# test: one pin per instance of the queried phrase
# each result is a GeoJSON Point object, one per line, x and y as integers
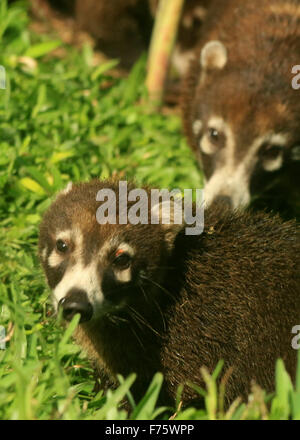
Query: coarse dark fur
{"type": "Point", "coordinates": [253, 94]}
{"type": "Point", "coordinates": [231, 293]}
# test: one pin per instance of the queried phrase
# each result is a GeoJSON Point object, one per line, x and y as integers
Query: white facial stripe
{"type": "Point", "coordinates": [273, 164]}
{"type": "Point", "coordinates": [123, 276]}
{"type": "Point", "coordinates": [279, 139]}
{"type": "Point", "coordinates": [111, 244]}
{"type": "Point", "coordinates": [234, 180]}
{"type": "Point", "coordinates": [55, 259]}
{"type": "Point", "coordinates": [44, 253]}
{"type": "Point", "coordinates": [63, 235]}
{"type": "Point", "coordinates": [206, 146]}
{"type": "Point", "coordinates": [217, 123]}
{"type": "Point", "coordinates": [225, 182]}
{"type": "Point", "coordinates": [80, 277]}
{"type": "Point", "coordinates": [209, 148]}
{"type": "Point", "coordinates": [126, 248]}
{"type": "Point", "coordinates": [197, 127]}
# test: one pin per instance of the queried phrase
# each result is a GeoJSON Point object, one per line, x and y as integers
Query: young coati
{"type": "Point", "coordinates": [241, 113]}
{"type": "Point", "coordinates": [154, 299]}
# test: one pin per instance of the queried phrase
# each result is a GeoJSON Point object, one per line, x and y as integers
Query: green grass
{"type": "Point", "coordinates": [64, 119]}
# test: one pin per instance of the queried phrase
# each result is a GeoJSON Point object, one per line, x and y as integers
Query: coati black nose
{"type": "Point", "coordinates": [224, 200]}
{"type": "Point", "coordinates": [76, 301]}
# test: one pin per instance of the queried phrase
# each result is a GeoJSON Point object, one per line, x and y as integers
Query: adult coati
{"type": "Point", "coordinates": [241, 113]}
{"type": "Point", "coordinates": [154, 299]}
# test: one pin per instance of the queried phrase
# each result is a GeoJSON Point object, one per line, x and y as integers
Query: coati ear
{"type": "Point", "coordinates": [213, 55]}
{"type": "Point", "coordinates": [67, 189]}
{"type": "Point", "coordinates": [169, 214]}
{"type": "Point", "coordinates": [64, 191]}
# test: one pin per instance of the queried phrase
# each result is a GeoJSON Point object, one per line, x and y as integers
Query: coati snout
{"type": "Point", "coordinates": [154, 299]}
{"type": "Point", "coordinates": [76, 301]}
{"type": "Point", "coordinates": [240, 111]}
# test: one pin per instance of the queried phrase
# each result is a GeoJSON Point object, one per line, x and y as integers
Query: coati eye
{"type": "Point", "coordinates": [61, 246]}
{"type": "Point", "coordinates": [122, 260]}
{"type": "Point", "coordinates": [270, 152]}
{"type": "Point", "coordinates": [214, 135]}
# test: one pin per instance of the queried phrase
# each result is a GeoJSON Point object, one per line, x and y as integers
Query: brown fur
{"type": "Point", "coordinates": [253, 92]}
{"type": "Point", "coordinates": [231, 293]}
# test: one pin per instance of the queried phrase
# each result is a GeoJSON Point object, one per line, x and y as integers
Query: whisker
{"type": "Point", "coordinates": [142, 320]}
{"type": "Point", "coordinates": [139, 340]}
{"type": "Point", "coordinates": [144, 293]}
{"type": "Point", "coordinates": [135, 319]}
{"type": "Point", "coordinates": [155, 303]}
{"type": "Point", "coordinates": [115, 318]}
{"type": "Point", "coordinates": [161, 313]}
{"type": "Point", "coordinates": [159, 286]}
